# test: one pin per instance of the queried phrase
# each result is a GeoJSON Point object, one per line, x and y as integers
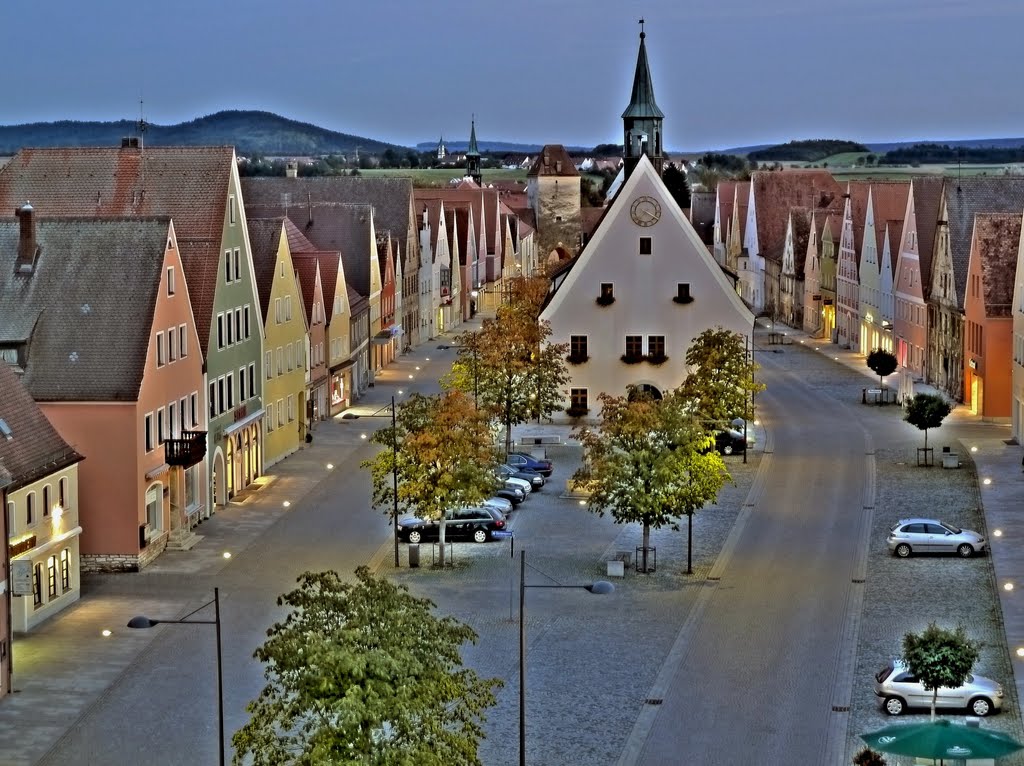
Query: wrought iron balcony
{"type": "Point", "coordinates": [187, 450]}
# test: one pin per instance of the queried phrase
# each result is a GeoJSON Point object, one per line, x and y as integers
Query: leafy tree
{"type": "Point", "coordinates": [649, 462]}
{"type": "Point", "coordinates": [868, 757]}
{"type": "Point", "coordinates": [720, 380]}
{"type": "Point", "coordinates": [675, 182]}
{"type": "Point", "coordinates": [508, 366]}
{"type": "Point", "coordinates": [938, 657]}
{"type": "Point", "coordinates": [444, 458]}
{"type": "Point", "coordinates": [364, 673]}
{"type": "Point", "coordinates": [882, 363]}
{"type": "Point", "coordinates": [927, 411]}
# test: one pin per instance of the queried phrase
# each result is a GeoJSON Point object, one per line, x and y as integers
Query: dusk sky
{"type": "Point", "coordinates": [728, 73]}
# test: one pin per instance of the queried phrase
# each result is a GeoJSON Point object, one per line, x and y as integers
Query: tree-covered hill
{"type": "Point", "coordinates": [250, 132]}
{"type": "Point", "coordinates": [805, 151]}
{"type": "Point", "coordinates": [943, 154]}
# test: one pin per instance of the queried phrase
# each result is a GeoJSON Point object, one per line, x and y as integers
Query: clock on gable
{"type": "Point", "coordinates": [645, 211]}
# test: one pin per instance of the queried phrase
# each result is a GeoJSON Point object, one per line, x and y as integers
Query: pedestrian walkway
{"type": "Point", "coordinates": [1000, 476]}
{"type": "Point", "coordinates": [65, 665]}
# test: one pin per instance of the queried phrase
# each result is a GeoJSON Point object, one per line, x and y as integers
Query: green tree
{"type": "Point", "coordinates": [675, 182]}
{"type": "Point", "coordinates": [927, 411]}
{"type": "Point", "coordinates": [364, 673]}
{"type": "Point", "coordinates": [882, 363]}
{"type": "Point", "coordinates": [940, 658]}
{"type": "Point", "coordinates": [720, 382]}
{"type": "Point", "coordinates": [649, 462]}
{"type": "Point", "coordinates": [509, 368]}
{"type": "Point", "coordinates": [444, 458]}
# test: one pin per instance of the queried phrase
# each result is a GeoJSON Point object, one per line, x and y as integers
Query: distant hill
{"type": "Point", "coordinates": [805, 151]}
{"type": "Point", "coordinates": [250, 132]}
{"type": "Point", "coordinates": [496, 147]}
{"type": "Point", "coordinates": [882, 148]}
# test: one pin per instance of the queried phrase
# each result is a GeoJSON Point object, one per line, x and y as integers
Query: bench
{"type": "Point", "coordinates": [539, 440]}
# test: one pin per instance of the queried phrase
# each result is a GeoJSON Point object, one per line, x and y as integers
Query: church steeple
{"type": "Point", "coordinates": [473, 156]}
{"type": "Point", "coordinates": [642, 120]}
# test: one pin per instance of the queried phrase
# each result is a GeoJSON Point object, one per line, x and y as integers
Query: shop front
{"type": "Point", "coordinates": [242, 445]}
{"type": "Point", "coordinates": [340, 380]}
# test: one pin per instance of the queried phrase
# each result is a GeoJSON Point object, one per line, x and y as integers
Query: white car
{"type": "Point", "coordinates": [900, 690]}
{"type": "Point", "coordinates": [909, 536]}
{"type": "Point", "coordinates": [512, 481]}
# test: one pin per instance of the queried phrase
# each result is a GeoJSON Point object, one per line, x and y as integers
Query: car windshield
{"type": "Point", "coordinates": [951, 528]}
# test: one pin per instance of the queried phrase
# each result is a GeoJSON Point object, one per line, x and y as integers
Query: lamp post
{"type": "Point", "coordinates": [600, 587]}
{"type": "Point", "coordinates": [141, 622]}
{"type": "Point", "coordinates": [394, 471]}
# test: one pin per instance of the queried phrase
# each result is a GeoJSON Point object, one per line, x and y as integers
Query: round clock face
{"type": "Point", "coordinates": [645, 211]}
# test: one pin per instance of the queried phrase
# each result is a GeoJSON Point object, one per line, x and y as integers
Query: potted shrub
{"type": "Point", "coordinates": [576, 412]}
{"type": "Point", "coordinates": [605, 300]}
{"type": "Point", "coordinates": [657, 359]}
{"type": "Point", "coordinates": [576, 359]}
{"type": "Point", "coordinates": [632, 359]}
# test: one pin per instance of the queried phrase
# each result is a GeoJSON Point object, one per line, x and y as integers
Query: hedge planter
{"type": "Point", "coordinates": [631, 359]}
{"type": "Point", "coordinates": [605, 300]}
{"type": "Point", "coordinates": [577, 412]}
{"type": "Point", "coordinates": [682, 299]}
{"type": "Point", "coordinates": [656, 360]}
{"type": "Point", "coordinates": [576, 359]}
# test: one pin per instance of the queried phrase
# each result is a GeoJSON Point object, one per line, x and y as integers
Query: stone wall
{"type": "Point", "coordinates": [105, 563]}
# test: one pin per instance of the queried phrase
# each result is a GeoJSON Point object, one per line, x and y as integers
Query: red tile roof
{"type": "Point", "coordinates": [996, 239]}
{"type": "Point", "coordinates": [553, 160]}
{"type": "Point", "coordinates": [775, 192]}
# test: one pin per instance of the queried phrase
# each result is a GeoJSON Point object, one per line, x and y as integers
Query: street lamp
{"type": "Point", "coordinates": [141, 622]}
{"type": "Point", "coordinates": [601, 587]}
{"type": "Point", "coordinates": [394, 471]}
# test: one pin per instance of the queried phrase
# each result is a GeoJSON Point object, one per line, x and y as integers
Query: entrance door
{"type": "Point", "coordinates": [977, 391]}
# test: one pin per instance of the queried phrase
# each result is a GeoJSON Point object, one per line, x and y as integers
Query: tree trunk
{"type": "Point", "coordinates": [647, 544]}
{"type": "Point", "coordinates": [508, 435]}
{"type": "Point", "coordinates": [689, 543]}
{"type": "Point", "coordinates": [926, 438]}
{"type": "Point", "coordinates": [935, 697]}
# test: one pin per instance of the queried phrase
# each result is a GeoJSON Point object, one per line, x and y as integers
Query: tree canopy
{"type": "Point", "coordinates": [445, 460]}
{"type": "Point", "coordinates": [927, 411]}
{"type": "Point", "coordinates": [720, 380]}
{"type": "Point", "coordinates": [940, 657]}
{"type": "Point", "coordinates": [882, 363]}
{"type": "Point", "coordinates": [364, 673]}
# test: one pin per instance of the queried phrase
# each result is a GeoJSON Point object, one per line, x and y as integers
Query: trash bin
{"type": "Point", "coordinates": [414, 555]}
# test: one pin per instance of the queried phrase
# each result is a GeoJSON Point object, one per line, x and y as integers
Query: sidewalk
{"type": "Point", "coordinates": [1000, 491]}
{"type": "Point", "coordinates": [64, 666]}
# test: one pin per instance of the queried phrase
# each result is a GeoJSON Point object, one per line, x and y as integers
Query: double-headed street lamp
{"type": "Point", "coordinates": [146, 622]}
{"type": "Point", "coordinates": [600, 587]}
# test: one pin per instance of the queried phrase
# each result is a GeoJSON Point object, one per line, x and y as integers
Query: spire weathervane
{"type": "Point", "coordinates": [642, 28]}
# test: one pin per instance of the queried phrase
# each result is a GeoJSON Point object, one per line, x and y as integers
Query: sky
{"type": "Point", "coordinates": [726, 73]}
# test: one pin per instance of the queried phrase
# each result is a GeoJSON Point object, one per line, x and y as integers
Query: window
{"type": "Point", "coordinates": [645, 245]}
{"type": "Point", "coordinates": [195, 408]}
{"type": "Point", "coordinates": [252, 379]}
{"type": "Point", "coordinates": [289, 353]}
{"type": "Point", "coordinates": [37, 585]}
{"type": "Point", "coordinates": [656, 346]}
{"type": "Point", "coordinates": [220, 395]}
{"type": "Point", "coordinates": [51, 577]}
{"type": "Point", "coordinates": [607, 290]}
{"type": "Point", "coordinates": [238, 263]}
{"type": "Point", "coordinates": [247, 332]}
{"type": "Point", "coordinates": [160, 426]}
{"type": "Point", "coordinates": [288, 308]}
{"type": "Point", "coordinates": [172, 412]}
{"type": "Point", "coordinates": [683, 292]}
{"type": "Point", "coordinates": [231, 391]}
{"type": "Point", "coordinates": [634, 345]}
{"type": "Point", "coordinates": [268, 363]}
{"type": "Point", "coordinates": [231, 210]}
{"type": "Point", "coordinates": [10, 517]}
{"type": "Point", "coordinates": [280, 361]}
{"type": "Point", "coordinates": [30, 508]}
{"type": "Point", "coordinates": [280, 412]}
{"type": "Point", "coordinates": [578, 399]}
{"type": "Point", "coordinates": [220, 331]}
{"type": "Point", "coordinates": [291, 407]}
{"type": "Point", "coordinates": [231, 329]}
{"type": "Point", "coordinates": [241, 385]}
{"type": "Point", "coordinates": [65, 570]}
{"type": "Point", "coordinates": [182, 341]}
{"type": "Point", "coordinates": [46, 500]}
{"type": "Point", "coordinates": [150, 444]}
{"type": "Point", "coordinates": [170, 280]}
{"type": "Point", "coordinates": [154, 511]}
{"type": "Point", "coordinates": [171, 353]}
{"type": "Point", "coordinates": [160, 360]}
{"type": "Point", "coordinates": [238, 325]}
{"type": "Point", "coordinates": [277, 311]}
{"type": "Point", "coordinates": [578, 346]}
{"type": "Point", "coordinates": [270, 416]}
{"type": "Point", "coordinates": [213, 400]}
{"type": "Point", "coordinates": [62, 492]}
{"type": "Point", "coordinates": [227, 267]}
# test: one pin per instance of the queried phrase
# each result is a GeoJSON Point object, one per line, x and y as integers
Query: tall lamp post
{"type": "Point", "coordinates": [600, 587]}
{"type": "Point", "coordinates": [141, 622]}
{"type": "Point", "coordinates": [394, 470]}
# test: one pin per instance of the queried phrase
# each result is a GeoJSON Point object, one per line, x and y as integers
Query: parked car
{"type": "Point", "coordinates": [511, 481]}
{"type": "Point", "coordinates": [909, 536]}
{"type": "Point", "coordinates": [502, 504]}
{"type": "Point", "coordinates": [536, 480]}
{"type": "Point", "coordinates": [520, 461]}
{"type": "Point", "coordinates": [730, 442]}
{"type": "Point", "coordinates": [476, 524]}
{"type": "Point", "coordinates": [514, 495]}
{"type": "Point", "coordinates": [900, 690]}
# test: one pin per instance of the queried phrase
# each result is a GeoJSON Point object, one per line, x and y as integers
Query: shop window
{"type": "Point", "coordinates": [154, 509]}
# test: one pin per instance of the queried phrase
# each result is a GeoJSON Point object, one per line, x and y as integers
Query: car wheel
{"type": "Point", "coordinates": [727, 449]}
{"type": "Point", "coordinates": [894, 706]}
{"type": "Point", "coordinates": [415, 536]}
{"type": "Point", "coordinates": [903, 550]}
{"type": "Point", "coordinates": [964, 550]}
{"type": "Point", "coordinates": [480, 535]}
{"type": "Point", "coordinates": [980, 707]}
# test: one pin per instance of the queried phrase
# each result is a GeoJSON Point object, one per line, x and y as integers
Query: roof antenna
{"type": "Point", "coordinates": [959, 158]}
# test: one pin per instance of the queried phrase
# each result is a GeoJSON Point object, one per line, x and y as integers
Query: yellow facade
{"type": "Point", "coordinates": [285, 363]}
{"type": "Point", "coordinates": [43, 534]}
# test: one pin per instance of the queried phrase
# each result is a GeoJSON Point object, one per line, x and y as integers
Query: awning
{"type": "Point", "coordinates": [158, 471]}
{"type": "Point", "coordinates": [238, 425]}
{"type": "Point", "coordinates": [50, 544]}
{"type": "Point", "coordinates": [344, 365]}
{"type": "Point", "coordinates": [382, 338]}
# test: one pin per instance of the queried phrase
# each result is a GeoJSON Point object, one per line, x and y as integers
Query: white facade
{"type": "Point", "coordinates": [649, 254]}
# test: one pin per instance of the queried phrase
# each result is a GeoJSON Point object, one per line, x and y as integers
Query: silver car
{"type": "Point", "coordinates": [930, 536]}
{"type": "Point", "coordinates": [900, 690]}
{"type": "Point", "coordinates": [499, 503]}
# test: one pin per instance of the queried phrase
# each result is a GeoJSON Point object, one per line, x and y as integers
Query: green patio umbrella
{"type": "Point", "coordinates": [941, 739]}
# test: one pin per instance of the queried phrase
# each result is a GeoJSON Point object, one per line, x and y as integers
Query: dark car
{"type": "Point", "coordinates": [536, 480]}
{"type": "Point", "coordinates": [476, 524]}
{"type": "Point", "coordinates": [521, 461]}
{"type": "Point", "coordinates": [512, 494]}
{"type": "Point", "coordinates": [730, 442]}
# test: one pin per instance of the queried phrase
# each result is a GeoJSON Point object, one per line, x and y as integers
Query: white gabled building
{"type": "Point", "coordinates": [642, 289]}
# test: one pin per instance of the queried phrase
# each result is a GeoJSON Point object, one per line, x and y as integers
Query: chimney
{"type": "Point", "coordinates": [292, 169]}
{"type": "Point", "coordinates": [130, 142]}
{"type": "Point", "coordinates": [27, 241]}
